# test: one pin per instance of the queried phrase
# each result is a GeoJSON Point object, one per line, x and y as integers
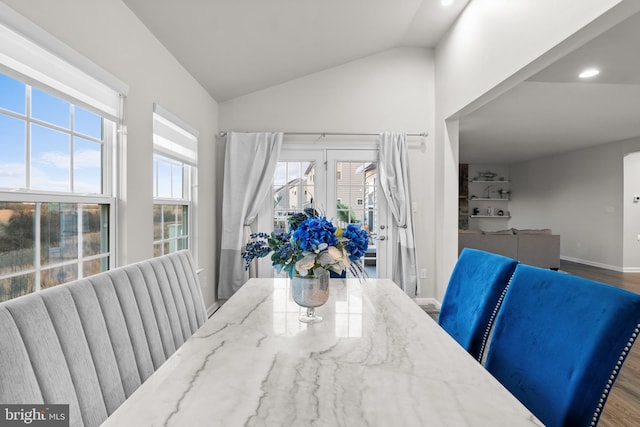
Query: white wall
{"type": "Point", "coordinates": [631, 209]}
{"type": "Point", "coordinates": [109, 34]}
{"type": "Point", "coordinates": [387, 91]}
{"type": "Point", "coordinates": [586, 197]}
{"type": "Point", "coordinates": [493, 46]}
{"type": "Point", "coordinates": [579, 195]}
{"type": "Point", "coordinates": [393, 90]}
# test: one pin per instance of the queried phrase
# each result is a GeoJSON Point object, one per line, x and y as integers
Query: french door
{"type": "Point", "coordinates": [341, 184]}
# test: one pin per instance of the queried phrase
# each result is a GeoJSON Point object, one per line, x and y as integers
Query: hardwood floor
{"type": "Point", "coordinates": [623, 406]}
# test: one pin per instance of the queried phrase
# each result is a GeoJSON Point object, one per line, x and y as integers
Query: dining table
{"type": "Point", "coordinates": [376, 359]}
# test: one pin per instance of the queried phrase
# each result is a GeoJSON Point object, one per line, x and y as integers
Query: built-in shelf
{"type": "Point", "coordinates": [484, 190]}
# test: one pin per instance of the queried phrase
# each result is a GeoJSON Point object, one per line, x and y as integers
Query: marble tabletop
{"type": "Point", "coordinates": [375, 360]}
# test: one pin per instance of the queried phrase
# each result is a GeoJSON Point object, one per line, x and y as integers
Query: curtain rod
{"type": "Point", "coordinates": [324, 134]}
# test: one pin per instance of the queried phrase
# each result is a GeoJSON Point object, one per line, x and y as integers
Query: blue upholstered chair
{"type": "Point", "coordinates": [473, 296]}
{"type": "Point", "coordinates": [559, 342]}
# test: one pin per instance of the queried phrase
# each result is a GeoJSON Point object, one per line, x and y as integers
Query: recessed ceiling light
{"type": "Point", "coordinates": [588, 73]}
{"type": "Point", "coordinates": [446, 2]}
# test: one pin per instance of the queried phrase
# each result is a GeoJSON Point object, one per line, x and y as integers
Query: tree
{"type": "Point", "coordinates": [346, 214]}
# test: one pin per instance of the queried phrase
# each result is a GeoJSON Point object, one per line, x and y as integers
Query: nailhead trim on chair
{"type": "Point", "coordinates": [494, 313]}
{"type": "Point", "coordinates": [613, 376]}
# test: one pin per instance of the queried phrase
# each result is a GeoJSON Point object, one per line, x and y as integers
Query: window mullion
{"type": "Point", "coordinates": [162, 236]}
{"type": "Point", "coordinates": [37, 247]}
{"type": "Point", "coordinates": [109, 154]}
{"type": "Point", "coordinates": [28, 141]}
{"type": "Point", "coordinates": [72, 184]}
{"type": "Point", "coordinates": [80, 213]}
{"type": "Point", "coordinates": [155, 177]}
{"type": "Point", "coordinates": [187, 182]}
{"type": "Point", "coordinates": [171, 190]}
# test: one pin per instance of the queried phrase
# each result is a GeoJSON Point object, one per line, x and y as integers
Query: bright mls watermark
{"type": "Point", "coordinates": [34, 415]}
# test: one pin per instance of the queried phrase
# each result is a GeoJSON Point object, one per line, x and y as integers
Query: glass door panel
{"type": "Point", "coordinates": [340, 184]}
{"type": "Point", "coordinates": [298, 183]}
{"type": "Point", "coordinates": [293, 190]}
{"type": "Point", "coordinates": [353, 186]}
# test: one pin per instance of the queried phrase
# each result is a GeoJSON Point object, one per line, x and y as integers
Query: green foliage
{"type": "Point", "coordinates": [346, 214]}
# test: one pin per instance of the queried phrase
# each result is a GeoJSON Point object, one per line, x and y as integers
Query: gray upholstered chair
{"type": "Point", "coordinates": [92, 342]}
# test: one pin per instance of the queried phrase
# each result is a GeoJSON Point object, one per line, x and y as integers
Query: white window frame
{"type": "Point", "coordinates": [324, 156]}
{"type": "Point", "coordinates": [108, 143]}
{"type": "Point", "coordinates": [28, 195]}
{"type": "Point", "coordinates": [33, 56]}
{"type": "Point", "coordinates": [176, 142]}
{"type": "Point", "coordinates": [264, 221]}
{"type": "Point", "coordinates": [168, 239]}
{"type": "Point", "coordinates": [188, 173]}
{"type": "Point", "coordinates": [70, 199]}
{"type": "Point", "coordinates": [37, 56]}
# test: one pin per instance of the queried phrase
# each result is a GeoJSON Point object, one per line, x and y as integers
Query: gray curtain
{"type": "Point", "coordinates": [394, 179]}
{"type": "Point", "coordinates": [250, 163]}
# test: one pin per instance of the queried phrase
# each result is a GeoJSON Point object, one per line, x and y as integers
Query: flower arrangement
{"type": "Point", "coordinates": [313, 243]}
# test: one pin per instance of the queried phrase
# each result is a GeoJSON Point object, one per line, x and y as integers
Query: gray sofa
{"type": "Point", "coordinates": [92, 342]}
{"type": "Point", "coordinates": [539, 248]}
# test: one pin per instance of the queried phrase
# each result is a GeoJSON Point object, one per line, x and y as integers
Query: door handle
{"type": "Point", "coordinates": [382, 238]}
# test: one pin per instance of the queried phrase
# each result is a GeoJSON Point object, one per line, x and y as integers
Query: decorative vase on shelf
{"type": "Point", "coordinates": [310, 292]}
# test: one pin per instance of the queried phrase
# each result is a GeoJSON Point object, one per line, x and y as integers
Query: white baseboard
{"type": "Point", "coordinates": [428, 302]}
{"type": "Point", "coordinates": [598, 264]}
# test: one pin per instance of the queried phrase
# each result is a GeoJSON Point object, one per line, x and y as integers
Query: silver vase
{"type": "Point", "coordinates": [310, 292]}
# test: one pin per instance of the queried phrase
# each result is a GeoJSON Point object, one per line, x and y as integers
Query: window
{"type": "Point", "coordinates": [48, 243]}
{"type": "Point", "coordinates": [54, 205]}
{"type": "Point", "coordinates": [293, 190]}
{"type": "Point", "coordinates": [307, 177]}
{"type": "Point", "coordinates": [171, 206]}
{"type": "Point", "coordinates": [58, 119]}
{"type": "Point", "coordinates": [174, 171]}
{"type": "Point", "coordinates": [49, 144]}
{"type": "Point", "coordinates": [357, 182]}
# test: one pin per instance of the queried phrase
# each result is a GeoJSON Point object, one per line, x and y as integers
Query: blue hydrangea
{"type": "Point", "coordinates": [313, 232]}
{"type": "Point", "coordinates": [357, 241]}
{"type": "Point", "coordinates": [311, 237]}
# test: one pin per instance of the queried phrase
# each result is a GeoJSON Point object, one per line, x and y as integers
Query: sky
{"type": "Point", "coordinates": [51, 148]}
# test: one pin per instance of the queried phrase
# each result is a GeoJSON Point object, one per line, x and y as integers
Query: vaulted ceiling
{"type": "Point", "coordinates": [235, 47]}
